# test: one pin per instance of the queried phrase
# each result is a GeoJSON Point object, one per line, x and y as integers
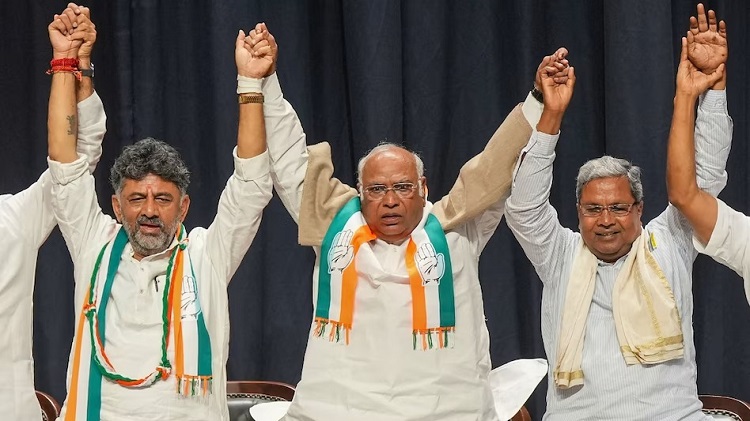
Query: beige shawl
{"type": "Point", "coordinates": [482, 182]}
{"type": "Point", "coordinates": [646, 318]}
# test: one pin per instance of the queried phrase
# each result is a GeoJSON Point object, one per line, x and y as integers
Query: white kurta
{"type": "Point", "coordinates": [133, 323]}
{"type": "Point", "coordinates": [26, 221]}
{"type": "Point", "coordinates": [613, 390]}
{"type": "Point", "coordinates": [729, 243]}
{"type": "Point", "coordinates": [379, 376]}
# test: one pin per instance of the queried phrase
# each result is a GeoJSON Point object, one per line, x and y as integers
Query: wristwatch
{"type": "Point", "coordinates": [88, 72]}
{"type": "Point", "coordinates": [537, 94]}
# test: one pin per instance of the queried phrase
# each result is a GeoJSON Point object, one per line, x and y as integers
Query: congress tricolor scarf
{"type": "Point", "coordinates": [187, 332]}
{"type": "Point", "coordinates": [342, 266]}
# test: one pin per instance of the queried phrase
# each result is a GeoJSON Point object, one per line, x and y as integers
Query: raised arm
{"type": "Point", "coordinates": [698, 206]}
{"type": "Point", "coordinates": [249, 189]}
{"type": "Point", "coordinates": [483, 183]}
{"type": "Point", "coordinates": [62, 117]}
{"type": "Point", "coordinates": [73, 194]}
{"type": "Point", "coordinates": [529, 214]}
{"type": "Point", "coordinates": [287, 146]}
{"type": "Point", "coordinates": [91, 117]}
{"type": "Point", "coordinates": [303, 179]}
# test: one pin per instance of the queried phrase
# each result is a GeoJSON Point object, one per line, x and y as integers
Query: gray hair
{"type": "Point", "coordinates": [149, 156]}
{"type": "Point", "coordinates": [608, 166]}
{"type": "Point", "coordinates": [382, 146]}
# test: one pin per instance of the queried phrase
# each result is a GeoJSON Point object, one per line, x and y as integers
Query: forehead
{"type": "Point", "coordinates": [608, 190]}
{"type": "Point", "coordinates": [150, 182]}
{"type": "Point", "coordinates": [393, 164]}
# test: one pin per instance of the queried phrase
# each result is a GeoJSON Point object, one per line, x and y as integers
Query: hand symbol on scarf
{"type": "Point", "coordinates": [342, 252]}
{"type": "Point", "coordinates": [187, 301]}
{"type": "Point", "coordinates": [431, 265]}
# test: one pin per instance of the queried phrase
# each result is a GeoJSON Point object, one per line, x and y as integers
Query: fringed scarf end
{"type": "Point", "coordinates": [429, 337]}
{"type": "Point", "coordinates": [334, 335]}
{"type": "Point", "coordinates": [190, 386]}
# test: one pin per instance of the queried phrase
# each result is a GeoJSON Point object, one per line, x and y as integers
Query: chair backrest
{"type": "Point", "coordinates": [725, 406]}
{"type": "Point", "coordinates": [242, 395]}
{"type": "Point", "coordinates": [522, 415]}
{"type": "Point", "coordinates": [50, 407]}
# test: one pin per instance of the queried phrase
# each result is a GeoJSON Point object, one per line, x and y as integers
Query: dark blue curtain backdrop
{"type": "Point", "coordinates": [436, 75]}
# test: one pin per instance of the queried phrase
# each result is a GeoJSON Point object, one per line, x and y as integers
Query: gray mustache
{"type": "Point", "coordinates": [150, 221]}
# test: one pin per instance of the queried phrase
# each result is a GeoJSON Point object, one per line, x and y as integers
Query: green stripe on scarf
{"type": "Point", "coordinates": [447, 306]}
{"type": "Point", "coordinates": [93, 412]}
{"type": "Point", "coordinates": [204, 341]}
{"type": "Point", "coordinates": [324, 277]}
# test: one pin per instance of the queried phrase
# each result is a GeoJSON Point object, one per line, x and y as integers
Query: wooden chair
{"type": "Point", "coordinates": [522, 415]}
{"type": "Point", "coordinates": [242, 395]}
{"type": "Point", "coordinates": [50, 407]}
{"type": "Point", "coordinates": [725, 406]}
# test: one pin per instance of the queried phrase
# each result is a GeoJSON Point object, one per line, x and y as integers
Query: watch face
{"type": "Point", "coordinates": [88, 72]}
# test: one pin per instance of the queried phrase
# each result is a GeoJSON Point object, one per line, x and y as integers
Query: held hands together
{"type": "Point", "coordinates": [255, 53]}
{"type": "Point", "coordinates": [556, 79]}
{"type": "Point", "coordinates": [71, 33]}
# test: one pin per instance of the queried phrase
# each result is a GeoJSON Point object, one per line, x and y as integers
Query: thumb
{"type": "Point", "coordinates": [717, 74]}
{"type": "Point", "coordinates": [683, 52]}
{"type": "Point", "coordinates": [571, 77]}
{"type": "Point", "coordinates": [240, 39]}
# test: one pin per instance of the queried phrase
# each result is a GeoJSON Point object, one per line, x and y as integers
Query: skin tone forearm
{"type": "Point", "coordinates": [550, 121]}
{"type": "Point", "coordinates": [251, 63]}
{"type": "Point", "coordinates": [62, 119]}
{"type": "Point", "coordinates": [251, 133]}
{"type": "Point", "coordinates": [699, 207]}
{"type": "Point", "coordinates": [702, 65]}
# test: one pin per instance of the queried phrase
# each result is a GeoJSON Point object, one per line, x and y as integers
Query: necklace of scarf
{"type": "Point", "coordinates": [428, 264]}
{"type": "Point", "coordinates": [191, 339]}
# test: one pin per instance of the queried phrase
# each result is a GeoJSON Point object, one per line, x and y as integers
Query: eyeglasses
{"type": "Point", "coordinates": [378, 191]}
{"type": "Point", "coordinates": [616, 209]}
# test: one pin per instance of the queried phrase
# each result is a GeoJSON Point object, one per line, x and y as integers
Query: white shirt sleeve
{"type": "Point", "coordinates": [530, 216]}
{"type": "Point", "coordinates": [729, 243]}
{"type": "Point", "coordinates": [28, 213]}
{"type": "Point", "coordinates": [287, 146]}
{"type": "Point", "coordinates": [248, 191]}
{"type": "Point", "coordinates": [92, 125]}
{"type": "Point", "coordinates": [486, 223]}
{"type": "Point", "coordinates": [76, 207]}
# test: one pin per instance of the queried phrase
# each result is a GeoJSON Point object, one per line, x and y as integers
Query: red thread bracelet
{"type": "Point", "coordinates": [64, 65]}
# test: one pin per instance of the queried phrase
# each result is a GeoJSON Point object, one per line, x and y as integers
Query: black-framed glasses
{"type": "Point", "coordinates": [616, 209]}
{"type": "Point", "coordinates": [378, 191]}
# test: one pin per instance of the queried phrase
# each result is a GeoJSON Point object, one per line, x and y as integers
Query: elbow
{"type": "Point", "coordinates": [681, 196]}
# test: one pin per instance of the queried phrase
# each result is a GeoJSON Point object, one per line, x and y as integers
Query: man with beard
{"type": "Point", "coordinates": [26, 221]}
{"type": "Point", "coordinates": [151, 339]}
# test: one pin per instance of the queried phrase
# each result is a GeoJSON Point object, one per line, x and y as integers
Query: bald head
{"type": "Point", "coordinates": [394, 148]}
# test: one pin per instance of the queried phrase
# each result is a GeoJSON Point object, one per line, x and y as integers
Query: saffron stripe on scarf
{"type": "Point", "coordinates": [179, 363]}
{"type": "Point", "coordinates": [349, 281]}
{"type": "Point", "coordinates": [70, 415]}
{"type": "Point", "coordinates": [324, 278]}
{"type": "Point", "coordinates": [419, 304]}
